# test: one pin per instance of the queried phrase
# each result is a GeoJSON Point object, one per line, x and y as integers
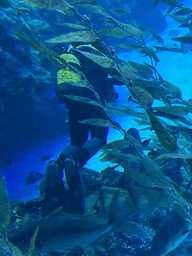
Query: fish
{"type": "Point", "coordinates": [170, 234]}
{"type": "Point", "coordinates": [173, 32]}
{"type": "Point", "coordinates": [44, 157]}
{"type": "Point", "coordinates": [32, 177]}
{"type": "Point", "coordinates": [119, 11]}
{"type": "Point", "coordinates": [64, 231]}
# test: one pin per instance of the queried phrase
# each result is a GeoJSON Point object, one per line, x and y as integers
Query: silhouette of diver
{"type": "Point", "coordinates": [81, 149]}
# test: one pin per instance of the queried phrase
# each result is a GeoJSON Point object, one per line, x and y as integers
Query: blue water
{"type": "Point", "coordinates": [32, 121]}
{"type": "Point", "coordinates": [31, 117]}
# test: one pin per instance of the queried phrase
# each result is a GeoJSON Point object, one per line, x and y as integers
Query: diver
{"type": "Point", "coordinates": [85, 140]}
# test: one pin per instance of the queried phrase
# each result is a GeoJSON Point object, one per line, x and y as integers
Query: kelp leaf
{"type": "Point", "coordinates": [184, 194]}
{"type": "Point", "coordinates": [172, 89]}
{"type": "Point", "coordinates": [133, 141]}
{"type": "Point", "coordinates": [97, 122]}
{"type": "Point", "coordinates": [83, 100]}
{"type": "Point", "coordinates": [71, 25]}
{"type": "Point", "coordinates": [115, 156]}
{"type": "Point", "coordinates": [152, 87]}
{"type": "Point", "coordinates": [141, 96]}
{"type": "Point", "coordinates": [133, 31]}
{"type": "Point", "coordinates": [127, 72]}
{"type": "Point", "coordinates": [149, 51]}
{"type": "Point", "coordinates": [113, 32]}
{"type": "Point", "coordinates": [183, 39]}
{"type": "Point", "coordinates": [143, 70]}
{"type": "Point", "coordinates": [15, 250]}
{"type": "Point", "coordinates": [154, 171]}
{"type": "Point", "coordinates": [182, 211]}
{"type": "Point", "coordinates": [90, 6]}
{"type": "Point", "coordinates": [41, 48]}
{"type": "Point", "coordinates": [173, 110]}
{"type": "Point", "coordinates": [120, 111]}
{"type": "Point", "coordinates": [31, 251]}
{"type": "Point", "coordinates": [156, 35]}
{"type": "Point", "coordinates": [102, 61]}
{"type": "Point", "coordinates": [149, 198]}
{"type": "Point", "coordinates": [142, 179]}
{"type": "Point", "coordinates": [168, 49]}
{"type": "Point", "coordinates": [166, 139]}
{"type": "Point", "coordinates": [179, 153]}
{"type": "Point", "coordinates": [182, 20]}
{"type": "Point", "coordinates": [7, 248]}
{"type": "Point", "coordinates": [131, 46]}
{"type": "Point", "coordinates": [117, 144]}
{"type": "Point", "coordinates": [188, 105]}
{"type": "Point", "coordinates": [80, 36]}
{"type": "Point", "coordinates": [57, 5]}
{"type": "Point", "coordinates": [109, 158]}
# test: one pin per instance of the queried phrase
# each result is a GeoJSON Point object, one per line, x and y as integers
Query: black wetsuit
{"type": "Point", "coordinates": [78, 111]}
{"type": "Point", "coordinates": [81, 148]}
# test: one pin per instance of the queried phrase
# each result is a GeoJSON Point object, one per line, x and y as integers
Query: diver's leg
{"type": "Point", "coordinates": [52, 189]}
{"type": "Point", "coordinates": [68, 151]}
{"type": "Point", "coordinates": [75, 193]}
{"type": "Point", "coordinates": [78, 135]}
{"type": "Point", "coordinates": [98, 138]}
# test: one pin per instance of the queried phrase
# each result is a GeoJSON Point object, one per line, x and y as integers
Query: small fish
{"type": "Point", "coordinates": [32, 177]}
{"type": "Point", "coordinates": [119, 11]}
{"type": "Point", "coordinates": [45, 157]}
{"type": "Point", "coordinates": [173, 32]}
